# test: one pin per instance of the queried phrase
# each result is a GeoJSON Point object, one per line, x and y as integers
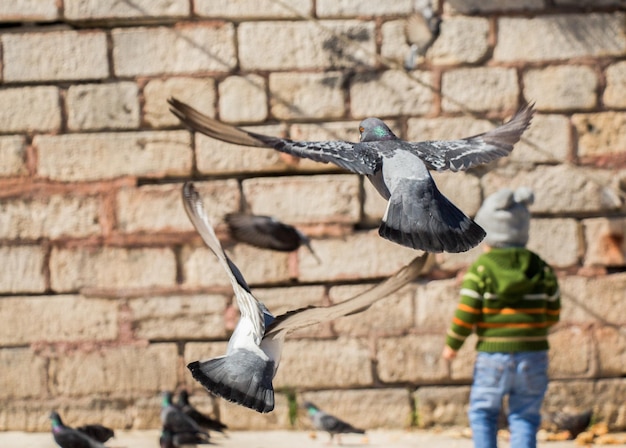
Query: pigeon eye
{"type": "Point", "coordinates": [361, 129]}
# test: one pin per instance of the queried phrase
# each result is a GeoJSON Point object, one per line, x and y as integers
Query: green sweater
{"type": "Point", "coordinates": [510, 297]}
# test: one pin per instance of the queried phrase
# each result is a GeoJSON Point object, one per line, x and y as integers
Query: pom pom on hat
{"type": "Point", "coordinates": [505, 217]}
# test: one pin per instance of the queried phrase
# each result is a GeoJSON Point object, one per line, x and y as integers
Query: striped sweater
{"type": "Point", "coordinates": [510, 297]}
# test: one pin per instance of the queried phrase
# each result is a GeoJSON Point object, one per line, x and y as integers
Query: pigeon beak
{"type": "Point", "coordinates": [308, 245]}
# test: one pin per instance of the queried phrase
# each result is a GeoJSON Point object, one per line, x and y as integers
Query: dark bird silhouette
{"type": "Point", "coordinates": [201, 419]}
{"type": "Point", "coordinates": [574, 423]}
{"type": "Point", "coordinates": [67, 437]}
{"type": "Point", "coordinates": [244, 374]}
{"type": "Point", "coordinates": [168, 439]}
{"type": "Point", "coordinates": [97, 432]}
{"type": "Point", "coordinates": [417, 215]}
{"type": "Point", "coordinates": [323, 421]}
{"type": "Point", "coordinates": [177, 426]}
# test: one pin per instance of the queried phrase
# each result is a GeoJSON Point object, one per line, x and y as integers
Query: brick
{"type": "Point", "coordinates": [438, 405]}
{"type": "Point", "coordinates": [199, 93]}
{"type": "Point", "coordinates": [62, 318]}
{"type": "Point", "coordinates": [252, 9]}
{"type": "Point", "coordinates": [412, 358]}
{"type": "Point", "coordinates": [113, 9]}
{"type": "Point", "coordinates": [352, 258]}
{"type": "Point", "coordinates": [306, 45]}
{"type": "Point", "coordinates": [52, 217]}
{"type": "Point", "coordinates": [596, 300]}
{"type": "Point", "coordinates": [202, 350]}
{"type": "Point", "coordinates": [569, 393]}
{"type": "Point", "coordinates": [597, 35]}
{"type": "Point", "coordinates": [374, 205]}
{"type": "Point", "coordinates": [454, 262]}
{"type": "Point", "coordinates": [179, 317]}
{"type": "Point", "coordinates": [483, 6]}
{"type": "Point", "coordinates": [461, 40]}
{"type": "Point", "coordinates": [38, 109]}
{"type": "Point", "coordinates": [445, 128]}
{"type": "Point", "coordinates": [22, 269]}
{"type": "Point", "coordinates": [111, 267]}
{"type": "Point", "coordinates": [24, 374]}
{"type": "Point", "coordinates": [237, 417]}
{"type": "Point", "coordinates": [124, 370]}
{"type": "Point", "coordinates": [563, 87]}
{"type": "Point", "coordinates": [462, 367]}
{"type": "Point", "coordinates": [547, 140]}
{"type": "Point", "coordinates": [349, 8]}
{"type": "Point", "coordinates": [320, 364]}
{"type": "Point", "coordinates": [611, 346]}
{"type": "Point", "coordinates": [12, 156]}
{"type": "Point", "coordinates": [149, 51]}
{"type": "Point", "coordinates": [600, 133]}
{"type": "Point", "coordinates": [103, 106]}
{"type": "Point", "coordinates": [305, 199]}
{"type": "Point", "coordinates": [606, 395]}
{"type": "Point", "coordinates": [243, 99]}
{"type": "Point", "coordinates": [391, 93]}
{"type": "Point", "coordinates": [159, 208]}
{"type": "Point", "coordinates": [435, 303]}
{"type": "Point", "coordinates": [54, 56]}
{"type": "Point", "coordinates": [547, 236]}
{"type": "Point", "coordinates": [364, 408]}
{"type": "Point", "coordinates": [605, 242]}
{"type": "Point", "coordinates": [480, 89]}
{"type": "Point", "coordinates": [307, 95]}
{"type": "Point", "coordinates": [615, 85]}
{"type": "Point", "coordinates": [29, 10]}
{"type": "Point", "coordinates": [571, 352]}
{"type": "Point", "coordinates": [87, 157]}
{"type": "Point", "coordinates": [462, 189]}
{"type": "Point", "coordinates": [394, 46]}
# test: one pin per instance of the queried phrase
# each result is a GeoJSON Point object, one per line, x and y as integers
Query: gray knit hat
{"type": "Point", "coordinates": [505, 217]}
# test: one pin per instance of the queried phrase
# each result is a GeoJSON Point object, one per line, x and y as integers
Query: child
{"type": "Point", "coordinates": [510, 297]}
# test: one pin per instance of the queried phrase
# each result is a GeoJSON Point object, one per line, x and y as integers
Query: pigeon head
{"type": "Point", "coordinates": [310, 407]}
{"type": "Point", "coordinates": [166, 399]}
{"type": "Point", "coordinates": [374, 130]}
{"type": "Point", "coordinates": [56, 419]}
{"type": "Point", "coordinates": [183, 396]}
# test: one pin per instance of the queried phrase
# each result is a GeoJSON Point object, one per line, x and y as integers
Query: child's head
{"type": "Point", "coordinates": [505, 217]}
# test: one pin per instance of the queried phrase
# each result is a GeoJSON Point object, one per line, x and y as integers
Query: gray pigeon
{"type": "Point", "coordinates": [198, 417]}
{"type": "Point", "coordinates": [417, 215]}
{"type": "Point", "coordinates": [244, 374]}
{"type": "Point", "coordinates": [323, 421]}
{"type": "Point", "coordinates": [178, 425]}
{"type": "Point", "coordinates": [67, 437]}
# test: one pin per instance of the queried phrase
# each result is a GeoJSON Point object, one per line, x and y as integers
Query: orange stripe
{"type": "Point", "coordinates": [553, 312]}
{"type": "Point", "coordinates": [514, 310]}
{"type": "Point", "coordinates": [460, 323]}
{"type": "Point", "coordinates": [468, 309]}
{"type": "Point", "coordinates": [512, 325]}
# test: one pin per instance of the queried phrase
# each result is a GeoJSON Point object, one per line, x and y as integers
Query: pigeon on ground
{"type": "Point", "coordinates": [266, 232]}
{"type": "Point", "coordinates": [97, 432]}
{"type": "Point", "coordinates": [168, 439]}
{"type": "Point", "coordinates": [67, 437]}
{"type": "Point", "coordinates": [417, 215]}
{"type": "Point", "coordinates": [201, 419]}
{"type": "Point", "coordinates": [574, 423]}
{"type": "Point", "coordinates": [244, 374]}
{"type": "Point", "coordinates": [323, 421]}
{"type": "Point", "coordinates": [178, 425]}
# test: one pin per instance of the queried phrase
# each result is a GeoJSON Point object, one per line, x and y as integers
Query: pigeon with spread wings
{"type": "Point", "coordinates": [418, 215]}
{"type": "Point", "coordinates": [244, 374]}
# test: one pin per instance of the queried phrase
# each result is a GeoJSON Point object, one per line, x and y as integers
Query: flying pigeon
{"type": "Point", "coordinates": [177, 424]}
{"type": "Point", "coordinates": [417, 214]}
{"type": "Point", "coordinates": [67, 437]}
{"type": "Point", "coordinates": [323, 421]}
{"type": "Point", "coordinates": [266, 232]}
{"type": "Point", "coordinates": [201, 419]}
{"type": "Point", "coordinates": [244, 374]}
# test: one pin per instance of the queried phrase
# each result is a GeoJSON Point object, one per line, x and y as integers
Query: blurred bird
{"type": "Point", "coordinates": [97, 432]}
{"type": "Point", "coordinates": [168, 439]}
{"type": "Point", "coordinates": [67, 437]}
{"type": "Point", "coordinates": [323, 421]}
{"type": "Point", "coordinates": [201, 419]}
{"type": "Point", "coordinates": [417, 215]}
{"type": "Point", "coordinates": [178, 425]}
{"type": "Point", "coordinates": [266, 232]}
{"type": "Point", "coordinates": [574, 423]}
{"type": "Point", "coordinates": [422, 29]}
{"type": "Point", "coordinates": [244, 375]}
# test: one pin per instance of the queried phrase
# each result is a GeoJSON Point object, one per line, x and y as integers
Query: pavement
{"type": "Point", "coordinates": [282, 439]}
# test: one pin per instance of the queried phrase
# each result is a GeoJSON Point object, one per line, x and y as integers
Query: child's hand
{"type": "Point", "coordinates": [448, 353]}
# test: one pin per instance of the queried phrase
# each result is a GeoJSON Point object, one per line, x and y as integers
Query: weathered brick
{"type": "Point", "coordinates": [102, 106]}
{"type": "Point", "coordinates": [374, 205]}
{"type": "Point", "coordinates": [611, 347]}
{"type": "Point", "coordinates": [60, 318]}
{"type": "Point", "coordinates": [113, 9]}
{"type": "Point", "coordinates": [320, 364]}
{"type": "Point", "coordinates": [442, 406]}
{"type": "Point", "coordinates": [29, 10]}
{"type": "Point", "coordinates": [281, 300]}
{"type": "Point", "coordinates": [461, 40]}
{"type": "Point", "coordinates": [237, 417]}
{"type": "Point", "coordinates": [605, 242]}
{"type": "Point", "coordinates": [458, 261]}
{"type": "Point", "coordinates": [22, 269]}
{"type": "Point", "coordinates": [614, 95]}
{"type": "Point", "coordinates": [111, 267]}
{"type": "Point", "coordinates": [607, 397]}
{"type": "Point", "coordinates": [412, 358]}
{"type": "Point", "coordinates": [252, 9]}
{"type": "Point", "coordinates": [196, 92]}
{"type": "Point", "coordinates": [548, 139]}
{"type": "Point", "coordinates": [12, 156]}
{"type": "Point", "coordinates": [307, 95]}
{"type": "Point", "coordinates": [349, 8]}
{"type": "Point", "coordinates": [243, 99]}
{"type": "Point", "coordinates": [446, 128]}
{"type": "Point", "coordinates": [304, 45]}
{"type": "Point", "coordinates": [593, 299]}
{"type": "Point", "coordinates": [38, 109]}
{"type": "Point", "coordinates": [571, 353]}
{"type": "Point", "coordinates": [124, 370]}
{"type": "Point", "coordinates": [546, 237]}
{"type": "Point", "coordinates": [305, 199]}
{"type": "Point", "coordinates": [24, 373]}
{"type": "Point", "coordinates": [569, 393]}
{"type": "Point", "coordinates": [595, 35]}
{"type": "Point", "coordinates": [462, 367]}
{"type": "Point", "coordinates": [179, 317]}
{"type": "Point", "coordinates": [179, 50]}
{"type": "Point", "coordinates": [391, 93]}
{"type": "Point", "coordinates": [394, 46]}
{"type": "Point", "coordinates": [600, 133]}
{"type": "Point", "coordinates": [482, 6]}
{"type": "Point", "coordinates": [462, 189]}
{"type": "Point", "coordinates": [54, 55]}
{"type": "Point", "coordinates": [435, 303]}
{"type": "Point", "coordinates": [480, 89]}
{"type": "Point", "coordinates": [50, 217]}
{"type": "Point", "coordinates": [563, 87]}
{"type": "Point", "coordinates": [358, 256]}
{"type": "Point", "coordinates": [83, 157]}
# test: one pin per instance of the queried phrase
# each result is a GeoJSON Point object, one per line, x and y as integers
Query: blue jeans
{"type": "Point", "coordinates": [523, 376]}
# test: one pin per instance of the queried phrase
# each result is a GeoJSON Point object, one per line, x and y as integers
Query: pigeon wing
{"type": "Point", "coordinates": [97, 432]}
{"type": "Point", "coordinates": [460, 155]}
{"type": "Point", "coordinates": [354, 157]}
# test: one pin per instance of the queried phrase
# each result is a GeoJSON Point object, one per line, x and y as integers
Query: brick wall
{"type": "Point", "coordinates": [107, 292]}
